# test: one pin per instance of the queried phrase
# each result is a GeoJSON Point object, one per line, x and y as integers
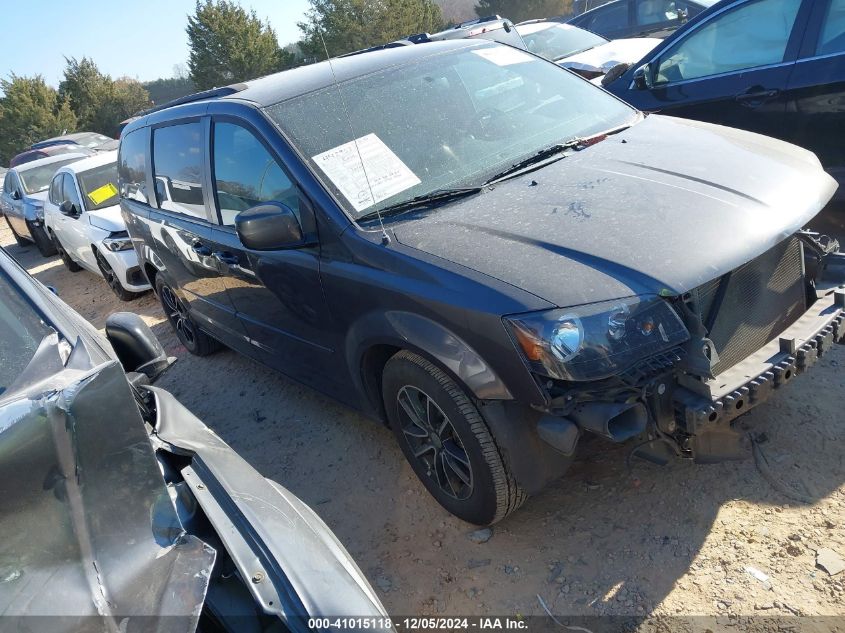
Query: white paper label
{"type": "Point", "coordinates": [385, 175]}
{"type": "Point", "coordinates": [503, 55]}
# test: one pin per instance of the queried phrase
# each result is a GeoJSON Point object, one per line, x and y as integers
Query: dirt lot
{"type": "Point", "coordinates": [677, 540]}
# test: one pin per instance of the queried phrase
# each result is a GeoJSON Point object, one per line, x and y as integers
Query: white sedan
{"type": "Point", "coordinates": [586, 53]}
{"type": "Point", "coordinates": [82, 217]}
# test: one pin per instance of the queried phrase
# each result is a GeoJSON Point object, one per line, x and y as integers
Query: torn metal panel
{"type": "Point", "coordinates": [309, 569]}
{"type": "Point", "coordinates": [90, 533]}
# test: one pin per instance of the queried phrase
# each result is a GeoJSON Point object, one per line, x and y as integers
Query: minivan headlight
{"type": "Point", "coordinates": [598, 340]}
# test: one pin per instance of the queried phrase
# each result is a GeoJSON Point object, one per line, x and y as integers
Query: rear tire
{"type": "Point", "coordinates": [446, 441]}
{"type": "Point", "coordinates": [42, 241]}
{"type": "Point", "coordinates": [112, 279]}
{"type": "Point", "coordinates": [71, 265]}
{"type": "Point", "coordinates": [20, 241]}
{"type": "Point", "coordinates": [195, 340]}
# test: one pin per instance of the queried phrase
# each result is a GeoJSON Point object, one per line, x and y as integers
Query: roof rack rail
{"type": "Point", "coordinates": [214, 93]}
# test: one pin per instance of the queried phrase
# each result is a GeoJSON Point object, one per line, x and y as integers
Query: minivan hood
{"type": "Point", "coordinates": [36, 198]}
{"type": "Point", "coordinates": [108, 219]}
{"type": "Point", "coordinates": [664, 206]}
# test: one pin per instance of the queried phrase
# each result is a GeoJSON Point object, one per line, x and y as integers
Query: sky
{"type": "Point", "coordinates": [139, 39]}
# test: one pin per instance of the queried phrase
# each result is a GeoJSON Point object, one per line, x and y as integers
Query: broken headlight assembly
{"type": "Point", "coordinates": [598, 340]}
{"type": "Point", "coordinates": [118, 241]}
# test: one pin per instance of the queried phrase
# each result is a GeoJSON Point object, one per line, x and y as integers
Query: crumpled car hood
{"type": "Point", "coordinates": [602, 58]}
{"type": "Point", "coordinates": [664, 206]}
{"type": "Point", "coordinates": [108, 219]}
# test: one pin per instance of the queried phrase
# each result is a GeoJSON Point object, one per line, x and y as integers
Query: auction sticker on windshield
{"type": "Point", "coordinates": [368, 173]}
{"type": "Point", "coordinates": [503, 55]}
{"type": "Point", "coordinates": [101, 194]}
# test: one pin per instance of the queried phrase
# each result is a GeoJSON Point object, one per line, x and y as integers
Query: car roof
{"type": "Point", "coordinates": [48, 160]}
{"type": "Point", "coordinates": [97, 160]}
{"type": "Point", "coordinates": [71, 137]}
{"type": "Point", "coordinates": [287, 84]}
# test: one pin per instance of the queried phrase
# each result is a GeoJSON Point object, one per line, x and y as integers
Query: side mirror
{"type": "Point", "coordinates": [642, 77]}
{"type": "Point", "coordinates": [137, 348]}
{"type": "Point", "coordinates": [67, 208]}
{"type": "Point", "coordinates": [269, 226]}
{"type": "Point", "coordinates": [16, 195]}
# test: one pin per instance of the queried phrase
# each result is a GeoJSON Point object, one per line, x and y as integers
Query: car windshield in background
{"type": "Point", "coordinates": [93, 140]}
{"type": "Point", "coordinates": [556, 41]}
{"type": "Point", "coordinates": [445, 121]}
{"type": "Point", "coordinates": [99, 186]}
{"type": "Point", "coordinates": [36, 179]}
{"type": "Point", "coordinates": [23, 331]}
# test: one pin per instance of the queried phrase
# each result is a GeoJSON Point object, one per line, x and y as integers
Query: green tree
{"type": "Point", "coordinates": [30, 111]}
{"type": "Point", "coordinates": [228, 45]}
{"type": "Point", "coordinates": [164, 90]}
{"type": "Point", "coordinates": [349, 25]}
{"type": "Point", "coordinates": [519, 10]}
{"type": "Point", "coordinates": [99, 102]}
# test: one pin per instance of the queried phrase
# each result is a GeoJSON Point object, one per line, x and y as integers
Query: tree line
{"type": "Point", "coordinates": [227, 44]}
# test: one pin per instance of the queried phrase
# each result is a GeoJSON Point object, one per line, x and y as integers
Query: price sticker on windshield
{"type": "Point", "coordinates": [503, 55]}
{"type": "Point", "coordinates": [101, 194]}
{"type": "Point", "coordinates": [366, 171]}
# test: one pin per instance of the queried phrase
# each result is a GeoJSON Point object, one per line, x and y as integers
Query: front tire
{"type": "Point", "coordinates": [195, 340]}
{"type": "Point", "coordinates": [71, 265]}
{"type": "Point", "coordinates": [446, 441]}
{"type": "Point", "coordinates": [112, 279]}
{"type": "Point", "coordinates": [20, 241]}
{"type": "Point", "coordinates": [42, 241]}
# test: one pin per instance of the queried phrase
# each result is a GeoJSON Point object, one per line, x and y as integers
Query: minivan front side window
{"type": "Point", "coordinates": [177, 166]}
{"type": "Point", "coordinates": [749, 36]}
{"type": "Point", "coordinates": [246, 174]}
{"type": "Point", "coordinates": [131, 166]}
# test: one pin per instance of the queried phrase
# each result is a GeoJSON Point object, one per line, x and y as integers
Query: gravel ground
{"type": "Point", "coordinates": [653, 542]}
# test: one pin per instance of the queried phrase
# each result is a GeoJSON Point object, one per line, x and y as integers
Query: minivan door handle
{"type": "Point", "coordinates": [201, 249]}
{"type": "Point", "coordinates": [756, 96]}
{"type": "Point", "coordinates": [225, 257]}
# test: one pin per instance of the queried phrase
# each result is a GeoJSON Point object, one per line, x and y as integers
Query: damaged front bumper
{"type": "Point", "coordinates": [752, 381]}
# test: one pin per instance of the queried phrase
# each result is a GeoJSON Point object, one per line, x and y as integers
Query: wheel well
{"type": "Point", "coordinates": [372, 366]}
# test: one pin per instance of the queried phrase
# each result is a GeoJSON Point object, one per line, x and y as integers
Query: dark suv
{"type": "Point", "coordinates": [489, 253]}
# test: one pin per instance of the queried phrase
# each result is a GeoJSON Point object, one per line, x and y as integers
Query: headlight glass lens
{"type": "Point", "coordinates": [598, 340]}
{"type": "Point", "coordinates": [119, 241]}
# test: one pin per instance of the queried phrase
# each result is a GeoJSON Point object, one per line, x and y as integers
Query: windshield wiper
{"type": "Point", "coordinates": [552, 151]}
{"type": "Point", "coordinates": [429, 200]}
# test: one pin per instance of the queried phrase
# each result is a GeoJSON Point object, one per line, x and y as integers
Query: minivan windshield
{"type": "Point", "coordinates": [448, 120]}
{"type": "Point", "coordinates": [36, 179]}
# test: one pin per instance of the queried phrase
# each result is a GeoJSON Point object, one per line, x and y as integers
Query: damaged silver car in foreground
{"type": "Point", "coordinates": [124, 512]}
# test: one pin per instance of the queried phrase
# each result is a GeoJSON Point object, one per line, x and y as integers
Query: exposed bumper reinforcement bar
{"type": "Point", "coordinates": [729, 395]}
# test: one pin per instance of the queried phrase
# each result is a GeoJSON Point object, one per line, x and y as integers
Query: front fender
{"type": "Point", "coordinates": [429, 339]}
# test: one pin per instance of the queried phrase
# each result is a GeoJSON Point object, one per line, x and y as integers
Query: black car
{"type": "Point", "coordinates": [776, 67]}
{"type": "Point", "coordinates": [123, 511]}
{"type": "Point", "coordinates": [488, 252]}
{"type": "Point", "coordinates": [639, 18]}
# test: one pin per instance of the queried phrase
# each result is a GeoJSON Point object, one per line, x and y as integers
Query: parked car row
{"type": "Point", "coordinates": [491, 255]}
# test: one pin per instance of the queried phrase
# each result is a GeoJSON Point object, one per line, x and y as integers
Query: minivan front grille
{"type": "Point", "coordinates": [762, 298]}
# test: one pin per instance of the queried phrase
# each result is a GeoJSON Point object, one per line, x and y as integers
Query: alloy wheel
{"type": "Point", "coordinates": [177, 314]}
{"type": "Point", "coordinates": [434, 442]}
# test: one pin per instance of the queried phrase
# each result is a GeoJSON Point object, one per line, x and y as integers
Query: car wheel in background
{"type": "Point", "coordinates": [447, 442]}
{"type": "Point", "coordinates": [71, 265]}
{"type": "Point", "coordinates": [42, 240]}
{"type": "Point", "coordinates": [195, 340]}
{"type": "Point", "coordinates": [112, 279]}
{"type": "Point", "coordinates": [20, 241]}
